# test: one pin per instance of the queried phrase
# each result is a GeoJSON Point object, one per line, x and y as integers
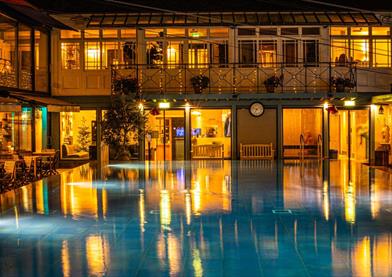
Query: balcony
{"type": "Point", "coordinates": [238, 78]}
{"type": "Point", "coordinates": [9, 76]}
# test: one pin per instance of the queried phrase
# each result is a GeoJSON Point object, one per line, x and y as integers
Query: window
{"type": "Point", "coordinates": [174, 54]}
{"type": "Point", "coordinates": [128, 52]}
{"type": "Point", "coordinates": [109, 33]}
{"type": "Point", "coordinates": [128, 33]}
{"type": "Point", "coordinates": [311, 52]}
{"type": "Point", "coordinates": [110, 54]}
{"type": "Point", "coordinates": [196, 33]}
{"type": "Point", "coordinates": [247, 52]}
{"type": "Point", "coordinates": [311, 31]}
{"type": "Point", "coordinates": [290, 52]}
{"type": "Point", "coordinates": [359, 31]}
{"type": "Point", "coordinates": [175, 32]}
{"type": "Point", "coordinates": [198, 55]}
{"type": "Point", "coordinates": [15, 130]}
{"type": "Point", "coordinates": [70, 55]}
{"type": "Point", "coordinates": [154, 51]}
{"type": "Point", "coordinates": [339, 51]}
{"type": "Point", "coordinates": [268, 31]}
{"type": "Point", "coordinates": [154, 33]}
{"type": "Point", "coordinates": [92, 56]}
{"type": "Point", "coordinates": [7, 52]}
{"type": "Point", "coordinates": [91, 33]}
{"type": "Point", "coordinates": [219, 52]}
{"type": "Point", "coordinates": [69, 34]}
{"type": "Point", "coordinates": [25, 57]}
{"type": "Point", "coordinates": [246, 31]}
{"type": "Point", "coordinates": [268, 53]}
{"type": "Point", "coordinates": [381, 31]}
{"type": "Point", "coordinates": [339, 31]}
{"type": "Point", "coordinates": [360, 52]}
{"type": "Point", "coordinates": [289, 31]}
{"type": "Point", "coordinates": [219, 32]}
{"type": "Point", "coordinates": [382, 53]}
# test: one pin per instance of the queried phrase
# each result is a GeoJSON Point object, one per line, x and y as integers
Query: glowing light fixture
{"type": "Point", "coordinates": [164, 105]}
{"type": "Point", "coordinates": [140, 106]}
{"type": "Point", "coordinates": [326, 105]}
{"type": "Point", "coordinates": [349, 103]}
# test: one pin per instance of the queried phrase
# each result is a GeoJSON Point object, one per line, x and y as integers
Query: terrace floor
{"type": "Point", "coordinates": [201, 218]}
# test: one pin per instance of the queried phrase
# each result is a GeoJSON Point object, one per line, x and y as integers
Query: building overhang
{"type": "Point", "coordinates": [382, 99]}
{"type": "Point", "coordinates": [10, 105]}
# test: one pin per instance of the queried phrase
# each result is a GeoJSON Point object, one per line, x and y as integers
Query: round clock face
{"type": "Point", "coordinates": [256, 109]}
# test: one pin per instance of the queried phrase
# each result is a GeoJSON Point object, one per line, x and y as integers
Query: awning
{"type": "Point", "coordinates": [52, 104]}
{"type": "Point", "coordinates": [10, 105]}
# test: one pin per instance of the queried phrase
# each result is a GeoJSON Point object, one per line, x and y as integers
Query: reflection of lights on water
{"type": "Point", "coordinates": [142, 215]}
{"type": "Point", "coordinates": [196, 198]}
{"type": "Point", "coordinates": [65, 260]}
{"type": "Point", "coordinates": [197, 263]}
{"type": "Point", "coordinates": [349, 201]}
{"type": "Point", "coordinates": [168, 248]}
{"type": "Point", "coordinates": [188, 207]}
{"type": "Point", "coordinates": [97, 255]}
{"type": "Point", "coordinates": [326, 200]}
{"type": "Point", "coordinates": [165, 212]}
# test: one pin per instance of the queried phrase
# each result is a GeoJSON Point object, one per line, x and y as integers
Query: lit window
{"type": "Point", "coordinates": [339, 51]}
{"type": "Point", "coordinates": [91, 33]}
{"type": "Point", "coordinates": [109, 33]}
{"type": "Point", "coordinates": [154, 33]}
{"type": "Point", "coordinates": [198, 55]}
{"type": "Point", "coordinates": [359, 31]}
{"type": "Point", "coordinates": [360, 51]}
{"type": "Point", "coordinates": [154, 51]}
{"type": "Point", "coordinates": [174, 54]}
{"type": "Point", "coordinates": [128, 33]}
{"type": "Point", "coordinates": [70, 55]}
{"type": "Point", "coordinates": [128, 52]}
{"type": "Point", "coordinates": [219, 32]}
{"type": "Point", "coordinates": [92, 55]}
{"type": "Point", "coordinates": [382, 53]}
{"type": "Point", "coordinates": [175, 32]}
{"type": "Point", "coordinates": [69, 34]}
{"type": "Point", "coordinates": [338, 31]}
{"type": "Point", "coordinates": [381, 31]}
{"type": "Point", "coordinates": [110, 54]}
{"type": "Point", "coordinates": [267, 53]}
{"type": "Point", "coordinates": [197, 33]}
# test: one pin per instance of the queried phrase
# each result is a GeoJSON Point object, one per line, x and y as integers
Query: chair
{"type": "Point", "coordinates": [7, 182]}
{"type": "Point", "coordinates": [29, 169]}
{"type": "Point", "coordinates": [49, 166]}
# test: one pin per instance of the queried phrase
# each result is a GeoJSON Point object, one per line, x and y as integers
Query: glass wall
{"type": "Point", "coordinates": [302, 128]}
{"type": "Point", "coordinates": [7, 52]}
{"type": "Point", "coordinates": [211, 133]}
{"type": "Point", "coordinates": [78, 134]}
{"type": "Point", "coordinates": [165, 136]}
{"type": "Point", "coordinates": [41, 52]}
{"type": "Point", "coordinates": [16, 131]}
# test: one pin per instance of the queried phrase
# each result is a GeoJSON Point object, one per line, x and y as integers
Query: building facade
{"type": "Point", "coordinates": [308, 84]}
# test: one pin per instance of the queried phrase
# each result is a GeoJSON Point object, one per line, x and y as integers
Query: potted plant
{"type": "Point", "coordinates": [200, 82]}
{"type": "Point", "coordinates": [273, 82]}
{"type": "Point", "coordinates": [340, 84]}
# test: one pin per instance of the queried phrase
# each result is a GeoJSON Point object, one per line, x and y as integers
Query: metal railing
{"type": "Point", "coordinates": [239, 78]}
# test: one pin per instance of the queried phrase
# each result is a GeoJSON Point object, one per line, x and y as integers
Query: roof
{"type": "Point", "coordinates": [129, 6]}
{"type": "Point", "coordinates": [231, 19]}
{"type": "Point", "coordinates": [53, 104]}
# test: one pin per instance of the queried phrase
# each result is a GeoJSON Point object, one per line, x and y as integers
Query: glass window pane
{"type": "Point", "coordinates": [198, 55]}
{"type": "Point", "coordinates": [246, 31]}
{"type": "Point", "coordinates": [382, 53]}
{"type": "Point", "coordinates": [289, 31]}
{"type": "Point", "coordinates": [70, 55]}
{"type": "Point", "coordinates": [247, 52]}
{"type": "Point", "coordinates": [92, 56]}
{"type": "Point", "coordinates": [311, 31]}
{"type": "Point", "coordinates": [219, 53]}
{"type": "Point", "coordinates": [196, 33]}
{"type": "Point", "coordinates": [25, 57]}
{"type": "Point", "coordinates": [174, 54]}
{"type": "Point", "coordinates": [268, 31]}
{"type": "Point", "coordinates": [290, 52]}
{"type": "Point", "coordinates": [91, 33]}
{"type": "Point", "coordinates": [175, 32]}
{"type": "Point", "coordinates": [41, 61]}
{"type": "Point", "coordinates": [219, 32]}
{"type": "Point", "coordinates": [7, 53]}
{"type": "Point", "coordinates": [154, 51]}
{"type": "Point", "coordinates": [359, 31]}
{"type": "Point", "coordinates": [311, 52]}
{"type": "Point", "coordinates": [339, 51]}
{"type": "Point", "coordinates": [211, 132]}
{"type": "Point", "coordinates": [381, 31]}
{"type": "Point", "coordinates": [128, 53]}
{"type": "Point", "coordinates": [360, 51]}
{"type": "Point", "coordinates": [154, 33]}
{"type": "Point", "coordinates": [339, 31]}
{"type": "Point", "coordinates": [69, 34]}
{"type": "Point", "coordinates": [109, 33]}
{"type": "Point", "coordinates": [268, 53]}
{"type": "Point", "coordinates": [128, 33]}
{"type": "Point", "coordinates": [110, 54]}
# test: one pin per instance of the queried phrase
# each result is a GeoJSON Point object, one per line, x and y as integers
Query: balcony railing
{"type": "Point", "coordinates": [239, 78]}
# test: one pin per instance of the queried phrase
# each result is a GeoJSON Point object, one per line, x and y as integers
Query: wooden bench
{"type": "Point", "coordinates": [256, 152]}
{"type": "Point", "coordinates": [208, 151]}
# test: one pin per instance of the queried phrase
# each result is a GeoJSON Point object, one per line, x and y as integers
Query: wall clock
{"type": "Point", "coordinates": [256, 109]}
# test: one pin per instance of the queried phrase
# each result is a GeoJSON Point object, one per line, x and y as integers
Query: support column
{"type": "Point", "coordinates": [188, 134]}
{"type": "Point", "coordinates": [33, 139]}
{"type": "Point", "coordinates": [142, 145]}
{"type": "Point", "coordinates": [99, 137]}
{"type": "Point", "coordinates": [325, 133]}
{"type": "Point", "coordinates": [372, 133]}
{"type": "Point", "coordinates": [279, 130]}
{"type": "Point", "coordinates": [234, 132]}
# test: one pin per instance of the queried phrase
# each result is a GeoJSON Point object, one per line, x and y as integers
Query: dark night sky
{"type": "Point", "coordinates": [206, 5]}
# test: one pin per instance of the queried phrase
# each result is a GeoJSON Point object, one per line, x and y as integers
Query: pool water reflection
{"type": "Point", "coordinates": [201, 218]}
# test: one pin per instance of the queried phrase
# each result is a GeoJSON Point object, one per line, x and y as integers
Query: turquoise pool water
{"type": "Point", "coordinates": [201, 218]}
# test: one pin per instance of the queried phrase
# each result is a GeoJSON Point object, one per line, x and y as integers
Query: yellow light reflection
{"type": "Point", "coordinates": [169, 248]}
{"type": "Point", "coordinates": [197, 263]}
{"type": "Point", "coordinates": [97, 255]}
{"type": "Point", "coordinates": [165, 209]}
{"type": "Point", "coordinates": [142, 216]}
{"type": "Point", "coordinates": [188, 207]}
{"type": "Point", "coordinates": [326, 200]}
{"type": "Point", "coordinates": [349, 202]}
{"type": "Point", "coordinates": [362, 258]}
{"type": "Point", "coordinates": [65, 262]}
